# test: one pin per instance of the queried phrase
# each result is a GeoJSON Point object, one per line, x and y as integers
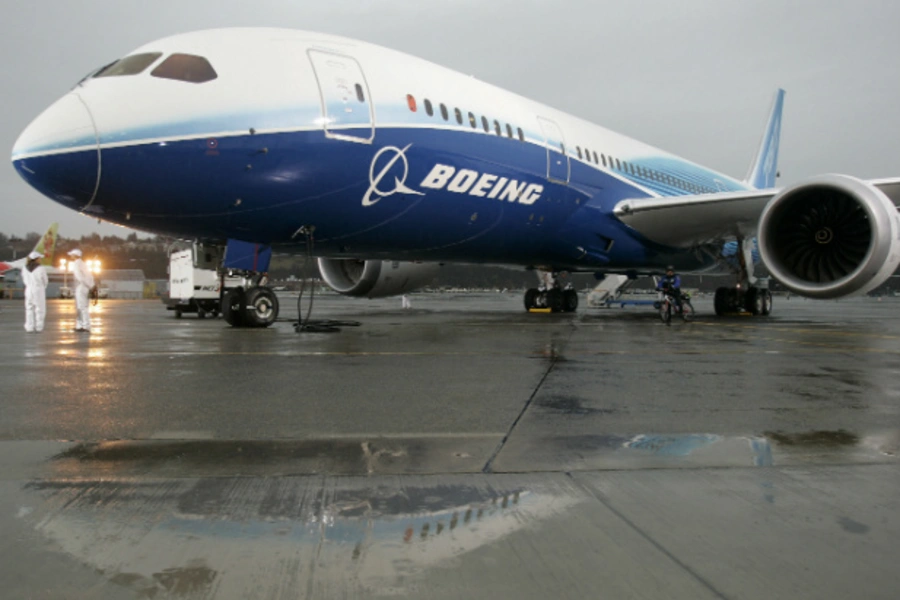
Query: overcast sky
{"type": "Point", "coordinates": [694, 77]}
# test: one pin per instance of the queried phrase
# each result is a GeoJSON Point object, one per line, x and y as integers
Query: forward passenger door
{"type": "Point", "coordinates": [346, 107]}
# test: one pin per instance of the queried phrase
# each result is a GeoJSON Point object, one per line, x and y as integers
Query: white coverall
{"type": "Point", "coordinates": [84, 281]}
{"type": "Point", "coordinates": [35, 298]}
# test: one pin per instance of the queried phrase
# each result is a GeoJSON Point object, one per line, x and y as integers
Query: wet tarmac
{"type": "Point", "coordinates": [461, 449]}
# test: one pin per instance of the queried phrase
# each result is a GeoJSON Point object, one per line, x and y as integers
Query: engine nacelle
{"type": "Point", "coordinates": [375, 278]}
{"type": "Point", "coordinates": [830, 236]}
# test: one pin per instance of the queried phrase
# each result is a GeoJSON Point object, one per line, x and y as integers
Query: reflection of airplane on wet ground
{"type": "Point", "coordinates": [374, 160]}
{"type": "Point", "coordinates": [46, 246]}
{"type": "Point", "coordinates": [361, 540]}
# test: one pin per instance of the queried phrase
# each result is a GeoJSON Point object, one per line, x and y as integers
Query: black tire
{"type": "Point", "coordinates": [233, 305]}
{"type": "Point", "coordinates": [767, 302]}
{"type": "Point", "coordinates": [261, 307]}
{"type": "Point", "coordinates": [555, 300]}
{"type": "Point", "coordinates": [665, 311]}
{"type": "Point", "coordinates": [177, 314]}
{"type": "Point", "coordinates": [201, 314]}
{"type": "Point", "coordinates": [570, 300]}
{"type": "Point", "coordinates": [720, 303]}
{"type": "Point", "coordinates": [753, 301]}
{"type": "Point", "coordinates": [531, 295]}
{"type": "Point", "coordinates": [687, 310]}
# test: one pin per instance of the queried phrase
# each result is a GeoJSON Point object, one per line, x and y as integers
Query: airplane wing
{"type": "Point", "coordinates": [688, 221]}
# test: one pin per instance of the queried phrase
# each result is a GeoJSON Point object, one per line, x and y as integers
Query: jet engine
{"type": "Point", "coordinates": [375, 278]}
{"type": "Point", "coordinates": [830, 236]}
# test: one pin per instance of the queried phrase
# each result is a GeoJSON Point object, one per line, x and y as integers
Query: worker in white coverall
{"type": "Point", "coordinates": [34, 276]}
{"type": "Point", "coordinates": [84, 281]}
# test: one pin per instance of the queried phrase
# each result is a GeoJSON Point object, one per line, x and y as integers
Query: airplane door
{"type": "Point", "coordinates": [346, 107]}
{"type": "Point", "coordinates": [557, 157]}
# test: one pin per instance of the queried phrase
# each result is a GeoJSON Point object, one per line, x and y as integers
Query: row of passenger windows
{"type": "Point", "coordinates": [180, 67]}
{"type": "Point", "coordinates": [583, 154]}
{"type": "Point", "coordinates": [644, 172]}
{"type": "Point", "coordinates": [470, 117]}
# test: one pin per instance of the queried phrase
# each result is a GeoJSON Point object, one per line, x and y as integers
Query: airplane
{"type": "Point", "coordinates": [383, 166]}
{"type": "Point", "coordinates": [46, 245]}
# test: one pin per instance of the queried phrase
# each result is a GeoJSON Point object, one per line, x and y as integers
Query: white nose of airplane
{"type": "Point", "coordinates": [65, 125]}
{"type": "Point", "coordinates": [58, 153]}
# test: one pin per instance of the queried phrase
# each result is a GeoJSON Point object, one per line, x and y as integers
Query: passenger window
{"type": "Point", "coordinates": [411, 102]}
{"type": "Point", "coordinates": [578, 148]}
{"type": "Point", "coordinates": [603, 158]}
{"type": "Point", "coordinates": [497, 127]}
{"type": "Point", "coordinates": [444, 112]}
{"type": "Point", "coordinates": [485, 124]}
{"type": "Point", "coordinates": [130, 65]}
{"type": "Point", "coordinates": [359, 93]}
{"type": "Point", "coordinates": [521, 135]}
{"type": "Point", "coordinates": [458, 115]}
{"type": "Point", "coordinates": [473, 122]}
{"type": "Point", "coordinates": [509, 132]}
{"type": "Point", "coordinates": [618, 165]}
{"type": "Point", "coordinates": [185, 67]}
{"type": "Point", "coordinates": [596, 162]}
{"type": "Point", "coordinates": [429, 110]}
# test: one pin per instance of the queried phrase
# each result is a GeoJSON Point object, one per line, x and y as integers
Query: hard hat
{"type": "Point", "coordinates": [75, 252]}
{"type": "Point", "coordinates": [35, 255]}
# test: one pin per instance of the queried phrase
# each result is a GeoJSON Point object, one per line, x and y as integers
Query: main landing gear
{"type": "Point", "coordinates": [253, 305]}
{"type": "Point", "coordinates": [754, 300]}
{"type": "Point", "coordinates": [551, 294]}
{"type": "Point", "coordinates": [751, 294]}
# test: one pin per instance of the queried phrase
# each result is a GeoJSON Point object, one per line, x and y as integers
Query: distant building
{"type": "Point", "coordinates": [123, 283]}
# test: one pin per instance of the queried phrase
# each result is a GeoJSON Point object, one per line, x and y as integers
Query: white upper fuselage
{"type": "Point", "coordinates": [297, 128]}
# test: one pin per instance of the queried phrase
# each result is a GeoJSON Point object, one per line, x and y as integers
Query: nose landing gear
{"type": "Point", "coordinates": [256, 306]}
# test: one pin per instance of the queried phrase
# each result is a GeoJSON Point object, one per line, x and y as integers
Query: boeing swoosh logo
{"type": "Point", "coordinates": [374, 194]}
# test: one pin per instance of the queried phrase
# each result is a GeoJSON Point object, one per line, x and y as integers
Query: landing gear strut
{"type": "Point", "coordinates": [550, 294]}
{"type": "Point", "coordinates": [751, 294]}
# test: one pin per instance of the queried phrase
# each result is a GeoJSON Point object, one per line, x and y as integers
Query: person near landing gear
{"type": "Point", "coordinates": [670, 284]}
{"type": "Point", "coordinates": [34, 276]}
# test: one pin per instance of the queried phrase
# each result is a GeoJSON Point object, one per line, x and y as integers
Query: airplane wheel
{"type": "Point", "coordinates": [233, 305]}
{"type": "Point", "coordinates": [754, 301]}
{"type": "Point", "coordinates": [720, 302]}
{"type": "Point", "coordinates": [262, 307]}
{"type": "Point", "coordinates": [531, 298]}
{"type": "Point", "coordinates": [555, 300]}
{"type": "Point", "coordinates": [766, 302]}
{"type": "Point", "coordinates": [570, 300]}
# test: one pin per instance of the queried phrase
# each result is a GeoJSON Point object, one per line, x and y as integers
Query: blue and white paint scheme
{"type": "Point", "coordinates": [260, 134]}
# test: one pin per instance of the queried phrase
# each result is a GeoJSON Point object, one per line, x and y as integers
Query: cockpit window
{"type": "Point", "coordinates": [185, 67]}
{"type": "Point", "coordinates": [130, 65]}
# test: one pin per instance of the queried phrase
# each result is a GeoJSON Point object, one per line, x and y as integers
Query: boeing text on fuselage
{"type": "Point", "coordinates": [441, 176]}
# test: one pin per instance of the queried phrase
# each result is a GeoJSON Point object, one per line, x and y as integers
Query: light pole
{"type": "Point", "coordinates": [66, 266]}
